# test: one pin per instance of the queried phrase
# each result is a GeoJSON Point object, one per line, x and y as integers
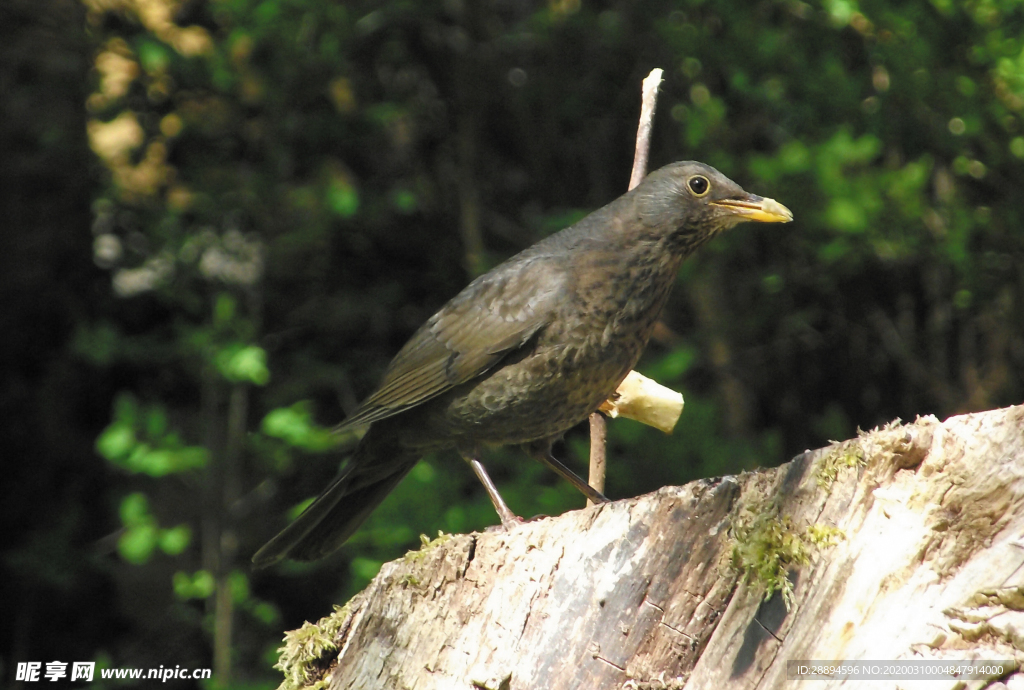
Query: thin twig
{"type": "Point", "coordinates": [643, 132]}
{"type": "Point", "coordinates": [598, 452]}
{"type": "Point", "coordinates": [598, 424]}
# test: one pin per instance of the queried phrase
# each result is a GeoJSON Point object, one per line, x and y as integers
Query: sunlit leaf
{"type": "Point", "coordinates": [175, 540]}
{"type": "Point", "coordinates": [134, 510]}
{"type": "Point", "coordinates": [116, 441]}
{"type": "Point", "coordinates": [238, 584]}
{"type": "Point", "coordinates": [343, 199]}
{"type": "Point", "coordinates": [243, 363]}
{"type": "Point", "coordinates": [137, 543]}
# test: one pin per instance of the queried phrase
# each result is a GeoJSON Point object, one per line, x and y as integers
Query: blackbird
{"type": "Point", "coordinates": [527, 350]}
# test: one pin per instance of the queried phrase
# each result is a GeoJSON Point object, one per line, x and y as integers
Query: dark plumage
{"type": "Point", "coordinates": [529, 349]}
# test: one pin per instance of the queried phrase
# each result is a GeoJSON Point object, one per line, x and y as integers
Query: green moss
{"type": "Point", "coordinates": [845, 454]}
{"type": "Point", "coordinates": [409, 581]}
{"type": "Point", "coordinates": [427, 545]}
{"type": "Point", "coordinates": [302, 655]}
{"type": "Point", "coordinates": [766, 546]}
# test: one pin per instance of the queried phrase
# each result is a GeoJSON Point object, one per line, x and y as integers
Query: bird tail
{"type": "Point", "coordinates": [338, 512]}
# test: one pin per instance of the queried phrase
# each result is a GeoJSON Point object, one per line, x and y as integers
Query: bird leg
{"type": "Point", "coordinates": [508, 518]}
{"type": "Point", "coordinates": [543, 453]}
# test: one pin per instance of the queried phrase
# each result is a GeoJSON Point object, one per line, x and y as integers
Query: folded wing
{"type": "Point", "coordinates": [496, 314]}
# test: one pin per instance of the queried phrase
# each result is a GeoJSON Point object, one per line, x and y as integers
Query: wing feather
{"type": "Point", "coordinates": [496, 314]}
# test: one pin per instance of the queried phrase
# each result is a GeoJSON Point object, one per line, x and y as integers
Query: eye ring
{"type": "Point", "coordinates": [699, 185]}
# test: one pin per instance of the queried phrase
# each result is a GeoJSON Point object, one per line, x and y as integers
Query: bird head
{"type": "Point", "coordinates": [692, 202]}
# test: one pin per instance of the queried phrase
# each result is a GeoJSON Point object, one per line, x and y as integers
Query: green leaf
{"type": "Point", "coordinates": [197, 586]}
{"type": "Point", "coordinates": [191, 458]}
{"type": "Point", "coordinates": [295, 426]}
{"type": "Point", "coordinates": [153, 56]}
{"type": "Point", "coordinates": [156, 463]}
{"type": "Point", "coordinates": [134, 510]}
{"type": "Point", "coordinates": [266, 613]}
{"type": "Point", "coordinates": [181, 583]}
{"type": "Point", "coordinates": [224, 309]}
{"type": "Point", "coordinates": [846, 215]}
{"type": "Point", "coordinates": [136, 544]}
{"type": "Point", "coordinates": [404, 200]}
{"type": "Point", "coordinates": [238, 584]}
{"type": "Point", "coordinates": [342, 199]}
{"type": "Point", "coordinates": [267, 12]}
{"type": "Point", "coordinates": [175, 540]}
{"type": "Point", "coordinates": [204, 583]}
{"type": "Point", "coordinates": [116, 442]}
{"type": "Point", "coordinates": [156, 421]}
{"type": "Point", "coordinates": [794, 157]}
{"type": "Point", "coordinates": [138, 459]}
{"type": "Point", "coordinates": [243, 364]}
{"type": "Point", "coordinates": [287, 423]}
{"type": "Point", "coordinates": [126, 409]}
{"type": "Point", "coordinates": [834, 250]}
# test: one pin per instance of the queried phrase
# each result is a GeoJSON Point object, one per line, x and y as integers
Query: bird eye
{"type": "Point", "coordinates": [699, 185]}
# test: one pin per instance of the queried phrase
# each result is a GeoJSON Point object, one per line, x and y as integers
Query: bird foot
{"type": "Point", "coordinates": [506, 525]}
{"type": "Point", "coordinates": [515, 521]}
{"type": "Point", "coordinates": [508, 518]}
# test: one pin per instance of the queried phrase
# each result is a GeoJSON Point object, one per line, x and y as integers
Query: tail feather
{"type": "Point", "coordinates": [339, 511]}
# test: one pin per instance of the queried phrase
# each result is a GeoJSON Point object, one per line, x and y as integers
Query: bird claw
{"type": "Point", "coordinates": [508, 522]}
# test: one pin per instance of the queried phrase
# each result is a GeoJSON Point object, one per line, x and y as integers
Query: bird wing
{"type": "Point", "coordinates": [494, 315]}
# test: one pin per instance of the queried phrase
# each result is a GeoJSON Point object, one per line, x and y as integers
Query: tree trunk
{"type": "Point", "coordinates": [906, 543]}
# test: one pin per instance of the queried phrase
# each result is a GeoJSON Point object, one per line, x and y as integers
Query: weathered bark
{"type": "Point", "coordinates": [640, 593]}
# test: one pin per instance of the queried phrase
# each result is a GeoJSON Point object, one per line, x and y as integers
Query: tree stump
{"type": "Point", "coordinates": [905, 543]}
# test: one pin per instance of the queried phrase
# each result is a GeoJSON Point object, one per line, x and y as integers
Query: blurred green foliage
{"type": "Point", "coordinates": [139, 441]}
{"type": "Point", "coordinates": [279, 192]}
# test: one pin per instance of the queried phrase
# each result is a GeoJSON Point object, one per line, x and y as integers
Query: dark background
{"type": "Point", "coordinates": [221, 218]}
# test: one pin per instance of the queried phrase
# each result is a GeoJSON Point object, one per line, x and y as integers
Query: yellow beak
{"type": "Point", "coordinates": [761, 210]}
